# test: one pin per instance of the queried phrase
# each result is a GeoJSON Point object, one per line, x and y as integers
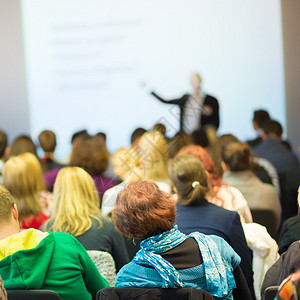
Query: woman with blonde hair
{"type": "Point", "coordinates": [22, 175]}
{"type": "Point", "coordinates": [153, 154]}
{"type": "Point", "coordinates": [76, 211]}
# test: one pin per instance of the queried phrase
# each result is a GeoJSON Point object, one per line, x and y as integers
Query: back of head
{"type": "Point", "coordinates": [22, 144]}
{"type": "Point", "coordinates": [188, 175]}
{"type": "Point", "coordinates": [161, 128]}
{"type": "Point", "coordinates": [90, 153]}
{"type": "Point", "coordinates": [180, 140]}
{"type": "Point", "coordinates": [260, 117]}
{"type": "Point", "coordinates": [200, 138]}
{"type": "Point", "coordinates": [78, 134]}
{"type": "Point", "coordinates": [3, 143]}
{"type": "Point", "coordinates": [76, 201]}
{"type": "Point", "coordinates": [203, 156]}
{"type": "Point", "coordinates": [137, 133]}
{"type": "Point", "coordinates": [143, 210]}
{"type": "Point", "coordinates": [273, 128]}
{"type": "Point", "coordinates": [20, 178]}
{"type": "Point", "coordinates": [6, 203]}
{"type": "Point", "coordinates": [153, 156]}
{"type": "Point", "coordinates": [124, 161]}
{"type": "Point", "coordinates": [47, 140]}
{"type": "Point", "coordinates": [236, 156]}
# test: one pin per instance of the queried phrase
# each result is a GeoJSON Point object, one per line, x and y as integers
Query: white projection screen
{"type": "Point", "coordinates": [86, 60]}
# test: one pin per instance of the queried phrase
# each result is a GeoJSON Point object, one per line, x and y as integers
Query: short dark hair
{"type": "Point", "coordinates": [47, 139]}
{"type": "Point", "coordinates": [137, 133]}
{"type": "Point", "coordinates": [143, 210]}
{"type": "Point", "coordinates": [160, 127]}
{"type": "Point", "coordinates": [3, 143]}
{"type": "Point", "coordinates": [261, 117]}
{"type": "Point", "coordinates": [78, 134]}
{"type": "Point", "coordinates": [272, 127]}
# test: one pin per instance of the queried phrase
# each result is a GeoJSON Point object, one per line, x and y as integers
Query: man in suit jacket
{"type": "Point", "coordinates": [197, 110]}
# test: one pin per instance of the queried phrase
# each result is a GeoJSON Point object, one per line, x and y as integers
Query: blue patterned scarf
{"type": "Point", "coordinates": [217, 280]}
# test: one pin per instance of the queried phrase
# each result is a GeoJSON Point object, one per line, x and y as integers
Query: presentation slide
{"type": "Point", "coordinates": [92, 64]}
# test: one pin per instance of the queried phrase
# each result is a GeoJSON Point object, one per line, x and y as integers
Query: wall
{"type": "Point", "coordinates": [291, 43]}
{"type": "Point", "coordinates": [14, 112]}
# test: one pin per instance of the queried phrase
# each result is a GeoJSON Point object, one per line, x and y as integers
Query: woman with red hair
{"type": "Point", "coordinates": [169, 258]}
{"type": "Point", "coordinates": [219, 193]}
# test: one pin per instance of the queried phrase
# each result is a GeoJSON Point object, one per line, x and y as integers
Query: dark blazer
{"type": "Point", "coordinates": [210, 219]}
{"type": "Point", "coordinates": [211, 101]}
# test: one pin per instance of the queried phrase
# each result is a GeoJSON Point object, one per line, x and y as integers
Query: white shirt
{"type": "Point", "coordinates": [192, 112]}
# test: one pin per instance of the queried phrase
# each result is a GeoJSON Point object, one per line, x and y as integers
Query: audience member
{"type": "Point", "coordinates": [200, 138]}
{"type": "Point", "coordinates": [3, 147]}
{"type": "Point", "coordinates": [195, 213]}
{"type": "Point", "coordinates": [52, 261]}
{"type": "Point", "coordinates": [259, 195]}
{"type": "Point", "coordinates": [76, 211]}
{"type": "Point", "coordinates": [124, 161]}
{"type": "Point", "coordinates": [180, 140]}
{"type": "Point", "coordinates": [272, 148]}
{"type": "Point", "coordinates": [3, 294]}
{"type": "Point", "coordinates": [22, 144]}
{"type": "Point", "coordinates": [22, 175]}
{"type": "Point", "coordinates": [287, 264]}
{"type": "Point", "coordinates": [219, 193]}
{"type": "Point", "coordinates": [289, 289]}
{"type": "Point", "coordinates": [89, 153]}
{"type": "Point", "coordinates": [290, 231]}
{"type": "Point", "coordinates": [153, 156]}
{"type": "Point", "coordinates": [47, 140]}
{"type": "Point", "coordinates": [260, 117]}
{"type": "Point", "coordinates": [77, 134]}
{"type": "Point", "coordinates": [136, 135]}
{"type": "Point", "coordinates": [161, 128]}
{"type": "Point", "coordinates": [169, 258]}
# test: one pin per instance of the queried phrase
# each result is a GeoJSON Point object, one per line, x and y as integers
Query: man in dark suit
{"type": "Point", "coordinates": [197, 110]}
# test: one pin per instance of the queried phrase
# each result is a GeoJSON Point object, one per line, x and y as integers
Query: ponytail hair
{"type": "Point", "coordinates": [188, 175]}
{"type": "Point", "coordinates": [236, 156]}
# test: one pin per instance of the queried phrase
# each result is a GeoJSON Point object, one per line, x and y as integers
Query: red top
{"type": "Point", "coordinates": [34, 221]}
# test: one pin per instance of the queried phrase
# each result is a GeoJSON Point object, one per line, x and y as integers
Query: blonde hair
{"type": "Point", "coordinates": [22, 176]}
{"type": "Point", "coordinates": [124, 161]}
{"type": "Point", "coordinates": [153, 153]}
{"type": "Point", "coordinates": [75, 202]}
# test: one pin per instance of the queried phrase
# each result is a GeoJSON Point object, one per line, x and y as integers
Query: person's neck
{"type": "Point", "coordinates": [8, 230]}
{"type": "Point", "coordinates": [49, 155]}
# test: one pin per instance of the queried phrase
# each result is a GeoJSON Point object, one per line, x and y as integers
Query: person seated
{"type": "Point", "coordinates": [169, 258]}
{"type": "Point", "coordinates": [195, 213]}
{"type": "Point", "coordinates": [89, 153]}
{"type": "Point", "coordinates": [76, 211]}
{"type": "Point", "coordinates": [22, 144]}
{"type": "Point", "coordinates": [290, 231]}
{"type": "Point", "coordinates": [32, 259]}
{"type": "Point", "coordinates": [22, 175]}
{"type": "Point", "coordinates": [238, 173]}
{"type": "Point", "coordinates": [47, 140]}
{"type": "Point", "coordinates": [260, 117]}
{"type": "Point", "coordinates": [272, 148]}
{"type": "Point", "coordinates": [219, 193]}
{"type": "Point", "coordinates": [287, 264]}
{"type": "Point", "coordinates": [3, 150]}
{"type": "Point", "coordinates": [135, 137]}
{"type": "Point", "coordinates": [289, 289]}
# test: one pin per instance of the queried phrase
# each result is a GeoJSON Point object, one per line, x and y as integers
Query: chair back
{"type": "Point", "coordinates": [267, 218]}
{"type": "Point", "coordinates": [270, 293]}
{"type": "Point", "coordinates": [32, 295]}
{"type": "Point", "coordinates": [105, 265]}
{"type": "Point", "coordinates": [135, 293]}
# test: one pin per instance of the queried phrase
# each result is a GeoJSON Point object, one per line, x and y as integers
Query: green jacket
{"type": "Point", "coordinates": [51, 261]}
